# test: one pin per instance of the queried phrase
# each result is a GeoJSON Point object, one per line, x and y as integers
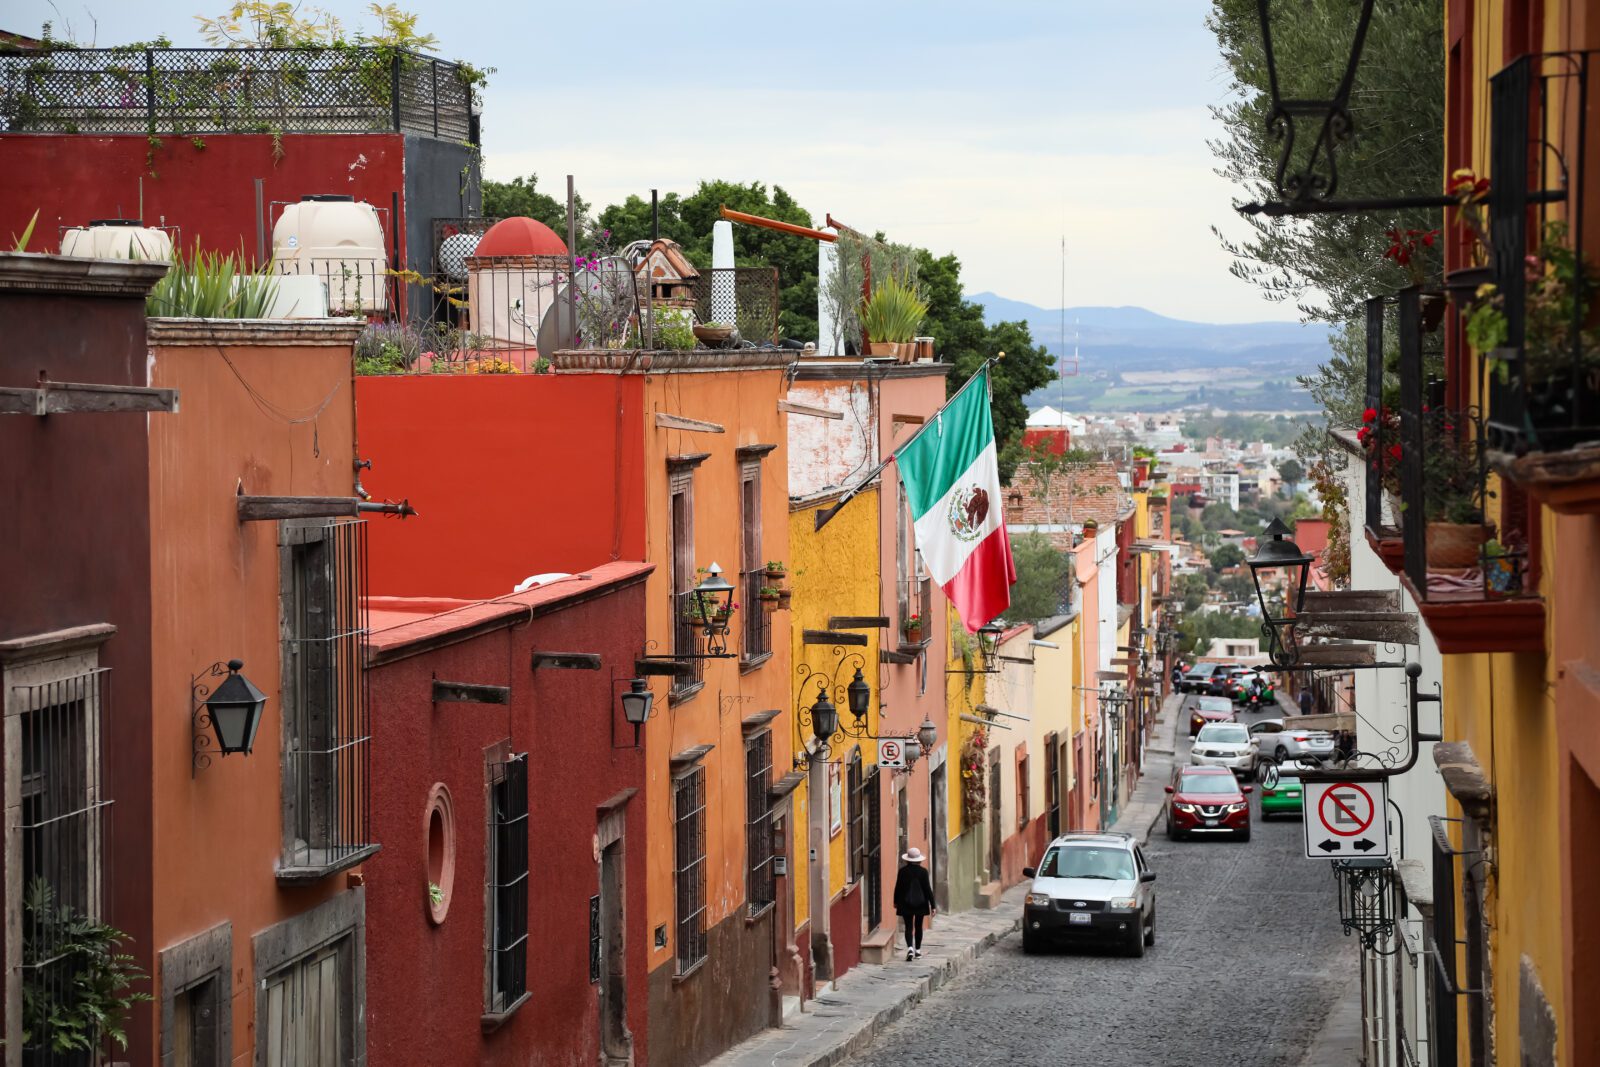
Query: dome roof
{"type": "Point", "coordinates": [520, 236]}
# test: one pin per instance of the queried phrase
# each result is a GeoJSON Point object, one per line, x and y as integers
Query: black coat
{"type": "Point", "coordinates": [913, 890]}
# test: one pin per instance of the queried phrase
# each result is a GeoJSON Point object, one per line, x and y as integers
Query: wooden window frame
{"type": "Point", "coordinates": [689, 869]}
{"type": "Point", "coordinates": [760, 889]}
{"type": "Point", "coordinates": [507, 881]}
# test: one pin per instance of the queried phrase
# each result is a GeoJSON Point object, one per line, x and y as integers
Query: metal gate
{"type": "Point", "coordinates": [872, 865]}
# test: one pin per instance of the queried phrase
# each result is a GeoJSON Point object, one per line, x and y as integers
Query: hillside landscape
{"type": "Point", "coordinates": [1130, 358]}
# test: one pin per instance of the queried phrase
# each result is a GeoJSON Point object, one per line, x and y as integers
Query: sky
{"type": "Point", "coordinates": [991, 129]}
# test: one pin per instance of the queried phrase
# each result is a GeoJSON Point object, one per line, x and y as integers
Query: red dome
{"type": "Point", "coordinates": [520, 236]}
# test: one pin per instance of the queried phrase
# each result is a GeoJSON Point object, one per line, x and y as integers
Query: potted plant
{"type": "Point", "coordinates": [775, 569]}
{"type": "Point", "coordinates": [1454, 491]}
{"type": "Point", "coordinates": [713, 334]}
{"type": "Point", "coordinates": [78, 995]}
{"type": "Point", "coordinates": [911, 627]}
{"type": "Point", "coordinates": [891, 316]}
{"type": "Point", "coordinates": [770, 595]}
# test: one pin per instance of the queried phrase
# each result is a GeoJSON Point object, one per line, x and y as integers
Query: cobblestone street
{"type": "Point", "coordinates": [1248, 960]}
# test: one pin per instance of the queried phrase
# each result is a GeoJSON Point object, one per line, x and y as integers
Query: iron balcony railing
{"type": "Point", "coordinates": [757, 617]}
{"type": "Point", "coordinates": [686, 636]}
{"type": "Point", "coordinates": [187, 91]}
{"type": "Point", "coordinates": [1543, 383]}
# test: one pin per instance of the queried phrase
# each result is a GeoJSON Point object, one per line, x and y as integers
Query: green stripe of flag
{"type": "Point", "coordinates": [947, 446]}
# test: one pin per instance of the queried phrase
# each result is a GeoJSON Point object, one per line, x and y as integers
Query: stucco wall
{"type": "Point", "coordinates": [216, 588]}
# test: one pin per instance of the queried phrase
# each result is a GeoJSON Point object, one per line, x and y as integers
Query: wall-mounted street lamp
{"type": "Point", "coordinates": [711, 608]}
{"type": "Point", "coordinates": [989, 635]}
{"type": "Point", "coordinates": [231, 710]}
{"type": "Point", "coordinates": [636, 704]}
{"type": "Point", "coordinates": [1286, 570]}
{"type": "Point", "coordinates": [1366, 891]}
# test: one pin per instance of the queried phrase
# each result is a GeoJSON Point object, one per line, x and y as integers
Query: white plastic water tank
{"type": "Point", "coordinates": [117, 239]}
{"type": "Point", "coordinates": [337, 239]}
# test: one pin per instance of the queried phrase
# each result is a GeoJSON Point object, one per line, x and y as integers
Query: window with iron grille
{"type": "Point", "coordinates": [1052, 785]}
{"type": "Point", "coordinates": [689, 833]}
{"type": "Point", "coordinates": [758, 821]}
{"type": "Point", "coordinates": [685, 636]}
{"type": "Point", "coordinates": [757, 620]}
{"type": "Point", "coordinates": [1022, 793]}
{"type": "Point", "coordinates": [858, 816]}
{"type": "Point", "coordinates": [872, 848]}
{"type": "Point", "coordinates": [508, 883]}
{"type": "Point", "coordinates": [326, 774]}
{"type": "Point", "coordinates": [912, 575]}
{"type": "Point", "coordinates": [60, 833]}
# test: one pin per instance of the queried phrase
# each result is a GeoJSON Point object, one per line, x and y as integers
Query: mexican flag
{"type": "Point", "coordinates": [952, 482]}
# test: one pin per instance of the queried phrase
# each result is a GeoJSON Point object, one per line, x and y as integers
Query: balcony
{"type": "Point", "coordinates": [1468, 537]}
{"type": "Point", "coordinates": [190, 91]}
{"type": "Point", "coordinates": [1541, 354]}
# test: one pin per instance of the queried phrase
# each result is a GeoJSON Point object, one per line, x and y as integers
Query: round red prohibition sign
{"type": "Point", "coordinates": [1359, 821]}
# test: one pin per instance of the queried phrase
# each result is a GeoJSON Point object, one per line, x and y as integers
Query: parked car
{"type": "Point", "coordinates": [1225, 744]}
{"type": "Point", "coordinates": [1284, 743]}
{"type": "Point", "coordinates": [1207, 800]}
{"type": "Point", "coordinates": [1283, 798]}
{"type": "Point", "coordinates": [1091, 887]}
{"type": "Point", "coordinates": [1210, 709]}
{"type": "Point", "coordinates": [1198, 677]}
{"type": "Point", "coordinates": [1220, 682]}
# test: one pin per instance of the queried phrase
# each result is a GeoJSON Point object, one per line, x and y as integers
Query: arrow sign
{"type": "Point", "coordinates": [1341, 813]}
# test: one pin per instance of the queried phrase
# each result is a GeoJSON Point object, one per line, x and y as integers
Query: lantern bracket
{"type": "Point", "coordinates": [201, 687]}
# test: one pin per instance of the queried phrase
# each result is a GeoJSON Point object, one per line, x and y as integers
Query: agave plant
{"type": "Point", "coordinates": [894, 312]}
{"type": "Point", "coordinates": [213, 285]}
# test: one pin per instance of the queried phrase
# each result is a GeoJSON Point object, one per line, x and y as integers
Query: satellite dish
{"type": "Point", "coordinates": [557, 330]}
{"type": "Point", "coordinates": [453, 253]}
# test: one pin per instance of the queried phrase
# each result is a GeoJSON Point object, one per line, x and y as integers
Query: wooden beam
{"type": "Point", "coordinates": [858, 622]}
{"type": "Point", "coordinates": [794, 407]}
{"type": "Point", "coordinates": [888, 655]}
{"type": "Point", "coordinates": [1313, 655]}
{"type": "Point", "coordinates": [68, 398]}
{"type": "Point", "coordinates": [568, 661]}
{"type": "Point", "coordinates": [665, 421]}
{"type": "Point", "coordinates": [1124, 661]}
{"type": "Point", "coordinates": [470, 693]}
{"type": "Point", "coordinates": [832, 637]}
{"type": "Point", "coordinates": [663, 668]}
{"type": "Point", "coordinates": [1391, 627]}
{"type": "Point", "coordinates": [1347, 600]}
{"type": "Point", "coordinates": [909, 420]}
{"type": "Point", "coordinates": [268, 508]}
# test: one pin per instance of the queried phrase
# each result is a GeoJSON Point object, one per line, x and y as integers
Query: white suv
{"type": "Point", "coordinates": [1091, 887]}
{"type": "Point", "coordinates": [1225, 744]}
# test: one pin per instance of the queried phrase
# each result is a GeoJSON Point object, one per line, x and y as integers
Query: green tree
{"type": "Point", "coordinates": [1044, 579]}
{"type": "Point", "coordinates": [519, 196]}
{"type": "Point", "coordinates": [1397, 148]}
{"type": "Point", "coordinates": [1026, 367]}
{"type": "Point", "coordinates": [1227, 555]}
{"type": "Point", "coordinates": [1198, 628]}
{"type": "Point", "coordinates": [1292, 474]}
{"type": "Point", "coordinates": [1237, 587]}
{"type": "Point", "coordinates": [1193, 589]}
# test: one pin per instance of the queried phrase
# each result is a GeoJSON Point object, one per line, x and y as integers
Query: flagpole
{"type": "Point", "coordinates": [825, 514]}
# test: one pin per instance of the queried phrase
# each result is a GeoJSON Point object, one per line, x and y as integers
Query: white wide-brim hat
{"type": "Point", "coordinates": [913, 855]}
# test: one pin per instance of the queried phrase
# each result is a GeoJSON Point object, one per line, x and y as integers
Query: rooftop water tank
{"type": "Point", "coordinates": [117, 239]}
{"type": "Point", "coordinates": [339, 240]}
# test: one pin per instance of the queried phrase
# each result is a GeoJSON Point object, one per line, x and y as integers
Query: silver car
{"type": "Point", "coordinates": [1225, 744]}
{"type": "Point", "coordinates": [1284, 743]}
{"type": "Point", "coordinates": [1091, 887]}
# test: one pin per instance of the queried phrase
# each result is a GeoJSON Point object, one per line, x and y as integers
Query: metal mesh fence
{"type": "Point", "coordinates": [233, 90]}
{"type": "Point", "coordinates": [742, 297]}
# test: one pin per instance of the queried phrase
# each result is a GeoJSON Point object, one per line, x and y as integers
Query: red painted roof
{"type": "Point", "coordinates": [520, 236]}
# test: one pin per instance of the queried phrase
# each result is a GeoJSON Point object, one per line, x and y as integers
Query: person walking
{"type": "Point", "coordinates": [1305, 701]}
{"type": "Point", "coordinates": [913, 899]}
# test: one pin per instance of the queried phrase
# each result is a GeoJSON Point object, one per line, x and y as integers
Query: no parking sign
{"type": "Point", "coordinates": [892, 753]}
{"type": "Point", "coordinates": [1344, 820]}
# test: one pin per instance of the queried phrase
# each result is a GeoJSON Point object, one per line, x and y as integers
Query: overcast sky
{"type": "Point", "coordinates": [988, 129]}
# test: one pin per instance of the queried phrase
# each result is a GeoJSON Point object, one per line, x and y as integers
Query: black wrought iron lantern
{"type": "Point", "coordinates": [989, 640]}
{"type": "Point", "coordinates": [1366, 899]}
{"type": "Point", "coordinates": [636, 704]}
{"type": "Point", "coordinates": [824, 716]}
{"type": "Point", "coordinates": [1317, 97]}
{"type": "Point", "coordinates": [1280, 572]}
{"type": "Point", "coordinates": [234, 708]}
{"type": "Point", "coordinates": [713, 607]}
{"type": "Point", "coordinates": [859, 696]}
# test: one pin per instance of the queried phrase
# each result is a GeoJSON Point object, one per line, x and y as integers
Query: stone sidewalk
{"type": "Point", "coordinates": [846, 1015]}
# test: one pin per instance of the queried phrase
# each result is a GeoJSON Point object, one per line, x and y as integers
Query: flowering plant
{"type": "Point", "coordinates": [911, 622]}
{"type": "Point", "coordinates": [974, 791]}
{"type": "Point", "coordinates": [1556, 282]}
{"type": "Point", "coordinates": [1469, 192]}
{"type": "Point", "coordinates": [1405, 247]}
{"type": "Point", "coordinates": [1380, 440]}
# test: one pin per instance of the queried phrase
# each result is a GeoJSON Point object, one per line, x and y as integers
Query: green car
{"type": "Point", "coordinates": [1281, 799]}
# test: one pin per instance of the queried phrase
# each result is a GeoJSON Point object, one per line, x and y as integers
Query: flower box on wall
{"type": "Point", "coordinates": [1391, 550]}
{"type": "Point", "coordinates": [1464, 623]}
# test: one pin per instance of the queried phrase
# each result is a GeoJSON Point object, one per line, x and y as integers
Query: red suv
{"type": "Point", "coordinates": [1207, 800]}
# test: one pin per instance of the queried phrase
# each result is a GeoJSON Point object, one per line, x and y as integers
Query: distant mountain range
{"type": "Point", "coordinates": [1134, 338]}
{"type": "Point", "coordinates": [1130, 358]}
